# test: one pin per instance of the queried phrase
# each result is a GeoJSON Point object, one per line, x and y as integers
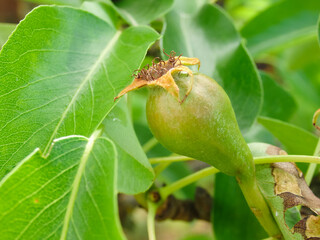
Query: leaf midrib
{"type": "Point", "coordinates": [76, 183]}
{"type": "Point", "coordinates": [84, 82]}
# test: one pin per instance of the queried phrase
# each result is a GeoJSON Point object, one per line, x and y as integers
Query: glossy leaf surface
{"type": "Point", "coordinates": [283, 22]}
{"type": "Point", "coordinates": [62, 77]}
{"type": "Point", "coordinates": [210, 36]}
{"type": "Point", "coordinates": [68, 195]}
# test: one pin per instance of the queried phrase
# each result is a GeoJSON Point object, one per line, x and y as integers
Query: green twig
{"type": "Point", "coordinates": [257, 160]}
{"type": "Point", "coordinates": [150, 144]}
{"type": "Point", "coordinates": [160, 167]}
{"type": "Point", "coordinates": [286, 158]}
{"type": "Point", "coordinates": [169, 159]}
{"type": "Point", "coordinates": [167, 190]}
{"type": "Point", "coordinates": [152, 209]}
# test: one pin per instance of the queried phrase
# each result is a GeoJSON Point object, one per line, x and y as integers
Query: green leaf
{"type": "Point", "coordinates": [292, 216]}
{"type": "Point", "coordinates": [282, 22]}
{"type": "Point", "coordinates": [277, 103]}
{"type": "Point", "coordinates": [211, 36]}
{"type": "Point", "coordinates": [298, 68]}
{"type": "Point", "coordinates": [296, 140]}
{"type": "Point", "coordinates": [232, 218]}
{"type": "Point", "coordinates": [173, 173]}
{"type": "Point", "coordinates": [102, 10]}
{"type": "Point", "coordinates": [135, 13]}
{"type": "Point", "coordinates": [5, 30]}
{"type": "Point", "coordinates": [59, 73]}
{"type": "Point", "coordinates": [142, 11]}
{"type": "Point", "coordinates": [188, 7]}
{"type": "Point", "coordinates": [71, 194]}
{"type": "Point", "coordinates": [135, 172]}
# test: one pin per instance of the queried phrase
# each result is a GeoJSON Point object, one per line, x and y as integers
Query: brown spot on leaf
{"type": "Point", "coordinates": [285, 182]}
{"type": "Point", "coordinates": [308, 227]}
{"type": "Point", "coordinates": [292, 188]}
{"type": "Point", "coordinates": [273, 150]}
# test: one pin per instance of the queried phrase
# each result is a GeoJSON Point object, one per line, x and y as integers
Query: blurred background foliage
{"type": "Point", "coordinates": [280, 38]}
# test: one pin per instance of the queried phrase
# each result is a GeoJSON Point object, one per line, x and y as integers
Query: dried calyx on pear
{"type": "Point", "coordinates": [160, 74]}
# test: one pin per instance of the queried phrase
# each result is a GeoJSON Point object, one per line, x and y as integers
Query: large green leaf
{"type": "Point", "coordinates": [277, 103]}
{"type": "Point", "coordinates": [59, 73]}
{"type": "Point", "coordinates": [282, 22]}
{"type": "Point", "coordinates": [232, 218]}
{"type": "Point", "coordinates": [210, 36]}
{"type": "Point", "coordinates": [296, 140]}
{"type": "Point", "coordinates": [135, 172]}
{"type": "Point", "coordinates": [5, 30]}
{"type": "Point", "coordinates": [142, 11]}
{"type": "Point", "coordinates": [71, 194]}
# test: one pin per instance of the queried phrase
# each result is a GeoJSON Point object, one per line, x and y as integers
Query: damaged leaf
{"type": "Point", "coordinates": [284, 187]}
{"type": "Point", "coordinates": [292, 188]}
{"type": "Point", "coordinates": [309, 227]}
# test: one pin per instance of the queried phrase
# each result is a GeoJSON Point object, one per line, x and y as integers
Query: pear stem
{"type": "Point", "coordinates": [152, 208]}
{"type": "Point", "coordinates": [169, 189]}
{"type": "Point", "coordinates": [150, 144]}
{"type": "Point", "coordinates": [258, 205]}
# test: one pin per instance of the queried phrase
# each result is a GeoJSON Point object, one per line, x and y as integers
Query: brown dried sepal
{"type": "Point", "coordinates": [309, 227]}
{"type": "Point", "coordinates": [160, 74]}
